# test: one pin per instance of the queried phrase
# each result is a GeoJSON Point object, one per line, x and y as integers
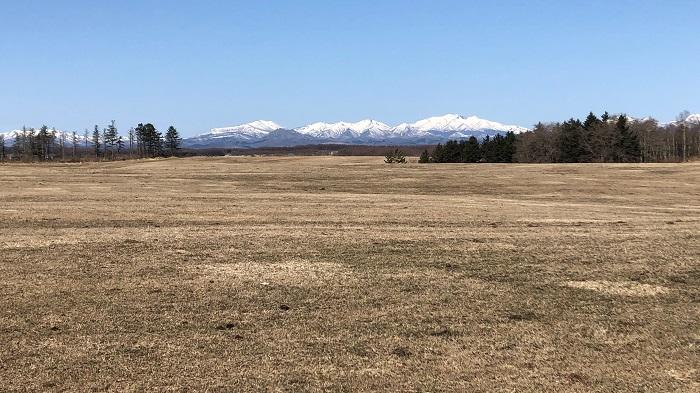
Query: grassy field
{"type": "Point", "coordinates": [347, 274]}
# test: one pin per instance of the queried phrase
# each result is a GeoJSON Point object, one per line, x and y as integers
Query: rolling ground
{"type": "Point", "coordinates": [347, 274]}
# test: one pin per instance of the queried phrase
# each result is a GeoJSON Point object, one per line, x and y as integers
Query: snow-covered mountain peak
{"type": "Point", "coordinates": [256, 127]}
{"type": "Point", "coordinates": [372, 124]}
{"type": "Point", "coordinates": [456, 123]}
{"type": "Point", "coordinates": [690, 120]}
{"type": "Point", "coordinates": [693, 119]}
{"type": "Point", "coordinates": [330, 130]}
{"type": "Point", "coordinates": [10, 134]}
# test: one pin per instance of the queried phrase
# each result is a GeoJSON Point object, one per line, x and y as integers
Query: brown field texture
{"type": "Point", "coordinates": [348, 274]}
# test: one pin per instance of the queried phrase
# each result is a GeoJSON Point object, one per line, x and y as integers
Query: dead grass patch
{"type": "Point", "coordinates": [620, 288]}
{"type": "Point", "coordinates": [346, 274]}
{"type": "Point", "coordinates": [291, 272]}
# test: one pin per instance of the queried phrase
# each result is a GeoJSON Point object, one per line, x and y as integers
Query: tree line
{"type": "Point", "coordinates": [595, 139]}
{"type": "Point", "coordinates": [500, 148]}
{"type": "Point", "coordinates": [106, 143]}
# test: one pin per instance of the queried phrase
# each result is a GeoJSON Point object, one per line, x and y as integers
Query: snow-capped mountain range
{"type": "Point", "coordinates": [10, 136]}
{"type": "Point", "coordinates": [432, 130]}
{"type": "Point", "coordinates": [263, 133]}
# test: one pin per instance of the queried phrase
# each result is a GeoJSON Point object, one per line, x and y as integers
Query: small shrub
{"type": "Point", "coordinates": [395, 157]}
{"type": "Point", "coordinates": [424, 157]}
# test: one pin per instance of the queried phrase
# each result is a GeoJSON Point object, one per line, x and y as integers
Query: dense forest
{"type": "Point", "coordinates": [47, 144]}
{"type": "Point", "coordinates": [595, 139]}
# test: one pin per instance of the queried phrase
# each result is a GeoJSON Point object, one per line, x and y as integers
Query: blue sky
{"type": "Point", "coordinates": [203, 64]}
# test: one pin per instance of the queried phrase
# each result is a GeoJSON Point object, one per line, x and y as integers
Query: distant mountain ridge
{"type": "Point", "coordinates": [11, 135]}
{"type": "Point", "coordinates": [263, 133]}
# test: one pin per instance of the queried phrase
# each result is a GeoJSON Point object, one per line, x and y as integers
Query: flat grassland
{"type": "Point", "coordinates": [347, 274]}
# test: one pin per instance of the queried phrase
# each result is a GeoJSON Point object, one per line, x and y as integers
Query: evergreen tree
{"type": "Point", "coordinates": [152, 140]}
{"type": "Point", "coordinates": [591, 122]}
{"type": "Point", "coordinates": [120, 144]}
{"type": "Point", "coordinates": [42, 143]}
{"type": "Point", "coordinates": [489, 149]}
{"type": "Point", "coordinates": [627, 147]}
{"type": "Point", "coordinates": [571, 141]}
{"type": "Point", "coordinates": [452, 152]}
{"type": "Point", "coordinates": [424, 157]}
{"type": "Point", "coordinates": [96, 141]}
{"type": "Point", "coordinates": [111, 136]}
{"type": "Point", "coordinates": [140, 145]}
{"type": "Point", "coordinates": [172, 140]}
{"type": "Point", "coordinates": [508, 149]}
{"type": "Point", "coordinates": [472, 150]}
{"type": "Point", "coordinates": [2, 147]}
{"type": "Point", "coordinates": [438, 155]}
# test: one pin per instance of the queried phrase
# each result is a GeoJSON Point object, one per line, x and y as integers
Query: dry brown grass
{"type": "Point", "coordinates": [345, 274]}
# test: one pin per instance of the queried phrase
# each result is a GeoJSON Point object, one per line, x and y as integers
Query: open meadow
{"type": "Point", "coordinates": [348, 274]}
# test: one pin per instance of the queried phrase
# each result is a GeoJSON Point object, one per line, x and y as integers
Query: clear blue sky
{"type": "Point", "coordinates": [203, 64]}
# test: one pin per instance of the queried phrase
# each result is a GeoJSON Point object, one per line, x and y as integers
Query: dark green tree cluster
{"type": "Point", "coordinates": [149, 140]}
{"type": "Point", "coordinates": [500, 148]}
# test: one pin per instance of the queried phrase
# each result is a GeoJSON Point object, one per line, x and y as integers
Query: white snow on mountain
{"type": "Point", "coordinates": [693, 119]}
{"type": "Point", "coordinates": [256, 129]}
{"type": "Point", "coordinates": [456, 124]}
{"type": "Point", "coordinates": [634, 119]}
{"type": "Point", "coordinates": [10, 136]}
{"type": "Point", "coordinates": [451, 124]}
{"type": "Point", "coordinates": [332, 130]}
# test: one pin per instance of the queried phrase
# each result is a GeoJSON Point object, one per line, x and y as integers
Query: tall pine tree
{"type": "Point", "coordinates": [472, 150]}
{"type": "Point", "coordinates": [571, 141]}
{"type": "Point", "coordinates": [627, 148]}
{"type": "Point", "coordinates": [172, 140]}
{"type": "Point", "coordinates": [111, 137]}
{"type": "Point", "coordinates": [96, 141]}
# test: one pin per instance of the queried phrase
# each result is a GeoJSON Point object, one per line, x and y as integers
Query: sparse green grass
{"type": "Point", "coordinates": [346, 274]}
